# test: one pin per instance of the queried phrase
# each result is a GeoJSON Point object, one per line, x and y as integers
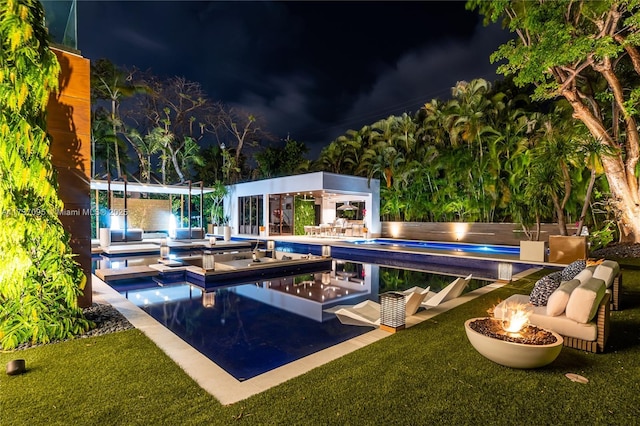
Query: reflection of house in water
{"type": "Point", "coordinates": [308, 295]}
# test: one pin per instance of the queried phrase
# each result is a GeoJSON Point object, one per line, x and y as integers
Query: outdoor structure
{"type": "Point", "coordinates": [320, 204]}
{"type": "Point", "coordinates": [69, 124]}
{"type": "Point", "coordinates": [135, 215]}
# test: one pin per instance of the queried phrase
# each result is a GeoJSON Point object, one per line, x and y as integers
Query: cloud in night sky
{"type": "Point", "coordinates": [312, 70]}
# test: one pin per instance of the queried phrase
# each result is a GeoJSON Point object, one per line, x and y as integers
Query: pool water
{"type": "Point", "coordinates": [459, 247]}
{"type": "Point", "coordinates": [243, 336]}
{"type": "Point", "coordinates": [249, 329]}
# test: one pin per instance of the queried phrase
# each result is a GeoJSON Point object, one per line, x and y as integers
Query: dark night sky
{"type": "Point", "coordinates": [311, 69]}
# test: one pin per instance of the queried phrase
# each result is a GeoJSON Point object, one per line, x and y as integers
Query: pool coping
{"type": "Point", "coordinates": [226, 388]}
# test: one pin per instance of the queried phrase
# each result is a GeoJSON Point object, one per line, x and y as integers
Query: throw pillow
{"type": "Point", "coordinates": [585, 274]}
{"type": "Point", "coordinates": [543, 289]}
{"type": "Point", "coordinates": [584, 300]}
{"type": "Point", "coordinates": [607, 271]}
{"type": "Point", "coordinates": [558, 300]}
{"type": "Point", "coordinates": [573, 269]}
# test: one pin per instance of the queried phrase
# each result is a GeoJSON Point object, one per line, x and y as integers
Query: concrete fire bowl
{"type": "Point", "coordinates": [511, 354]}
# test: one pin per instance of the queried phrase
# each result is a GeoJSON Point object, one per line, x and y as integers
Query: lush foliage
{"type": "Point", "coordinates": [304, 214]}
{"type": "Point", "coordinates": [586, 52]}
{"type": "Point", "coordinates": [39, 280]}
{"type": "Point", "coordinates": [217, 203]}
{"type": "Point", "coordinates": [485, 155]}
{"type": "Point", "coordinates": [274, 161]}
{"type": "Point", "coordinates": [166, 123]}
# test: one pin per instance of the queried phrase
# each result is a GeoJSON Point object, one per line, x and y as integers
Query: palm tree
{"type": "Point", "coordinates": [343, 154]}
{"type": "Point", "coordinates": [592, 150]}
{"type": "Point", "coordinates": [105, 142]}
{"type": "Point", "coordinates": [556, 153]}
{"type": "Point", "coordinates": [145, 147]}
{"type": "Point", "coordinates": [190, 155]}
{"type": "Point", "coordinates": [113, 84]}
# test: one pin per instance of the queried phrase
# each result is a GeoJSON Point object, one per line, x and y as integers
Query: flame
{"type": "Point", "coordinates": [515, 316]}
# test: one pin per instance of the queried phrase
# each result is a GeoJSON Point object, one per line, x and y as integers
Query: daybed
{"type": "Point", "coordinates": [574, 302]}
{"type": "Point", "coordinates": [183, 234]}
{"type": "Point", "coordinates": [133, 234]}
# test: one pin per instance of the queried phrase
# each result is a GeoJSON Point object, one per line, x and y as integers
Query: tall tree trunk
{"type": "Point", "coordinates": [148, 168]}
{"type": "Point", "coordinates": [115, 138]}
{"type": "Point", "coordinates": [587, 200]}
{"type": "Point", "coordinates": [562, 223]}
{"type": "Point", "coordinates": [626, 202]}
{"type": "Point", "coordinates": [176, 165]}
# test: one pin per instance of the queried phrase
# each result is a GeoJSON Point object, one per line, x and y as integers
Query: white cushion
{"type": "Point", "coordinates": [607, 271]}
{"type": "Point", "coordinates": [584, 300]}
{"type": "Point", "coordinates": [584, 275]}
{"type": "Point", "coordinates": [560, 297]}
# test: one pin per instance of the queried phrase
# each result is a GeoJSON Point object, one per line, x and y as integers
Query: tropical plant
{"type": "Point", "coordinates": [553, 158]}
{"type": "Point", "coordinates": [112, 84]}
{"type": "Point", "coordinates": [107, 148]}
{"type": "Point", "coordinates": [39, 281]}
{"type": "Point", "coordinates": [181, 109]}
{"type": "Point", "coordinates": [211, 169]}
{"type": "Point", "coordinates": [282, 161]}
{"type": "Point", "coordinates": [303, 214]}
{"type": "Point", "coordinates": [591, 150]}
{"type": "Point", "coordinates": [220, 191]}
{"type": "Point", "coordinates": [342, 155]}
{"type": "Point", "coordinates": [145, 147]}
{"type": "Point", "coordinates": [586, 52]}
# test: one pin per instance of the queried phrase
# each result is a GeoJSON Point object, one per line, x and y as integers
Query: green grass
{"type": "Point", "coordinates": [427, 374]}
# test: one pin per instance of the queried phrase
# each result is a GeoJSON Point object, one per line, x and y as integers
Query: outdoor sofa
{"type": "Point", "coordinates": [574, 302]}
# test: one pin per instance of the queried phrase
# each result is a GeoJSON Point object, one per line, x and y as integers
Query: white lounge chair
{"type": "Point", "coordinates": [367, 313]}
{"type": "Point", "coordinates": [414, 298]}
{"type": "Point", "coordinates": [451, 291]}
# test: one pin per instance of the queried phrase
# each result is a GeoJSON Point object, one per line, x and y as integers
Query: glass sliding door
{"type": "Point", "coordinates": [281, 214]}
{"type": "Point", "coordinates": [250, 215]}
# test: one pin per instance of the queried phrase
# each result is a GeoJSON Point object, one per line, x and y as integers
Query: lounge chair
{"type": "Point", "coordinates": [367, 313]}
{"type": "Point", "coordinates": [451, 291]}
{"type": "Point", "coordinates": [414, 298]}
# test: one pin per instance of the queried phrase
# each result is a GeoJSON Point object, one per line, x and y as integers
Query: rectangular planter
{"type": "Point", "coordinates": [566, 249]}
{"type": "Point", "coordinates": [535, 251]}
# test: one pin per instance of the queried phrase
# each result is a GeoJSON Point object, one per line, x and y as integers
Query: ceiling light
{"type": "Point", "coordinates": [347, 206]}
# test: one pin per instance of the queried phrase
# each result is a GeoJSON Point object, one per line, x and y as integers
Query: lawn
{"type": "Point", "coordinates": [427, 374]}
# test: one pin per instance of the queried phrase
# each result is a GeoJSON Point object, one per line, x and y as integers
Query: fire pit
{"type": "Point", "coordinates": [511, 341]}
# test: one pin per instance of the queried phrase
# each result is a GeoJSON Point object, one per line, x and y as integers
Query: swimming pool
{"type": "Point", "coordinates": [244, 336]}
{"type": "Point", "coordinates": [448, 246]}
{"type": "Point", "coordinates": [251, 328]}
{"type": "Point", "coordinates": [483, 261]}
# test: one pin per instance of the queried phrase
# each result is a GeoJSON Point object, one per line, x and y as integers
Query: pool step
{"type": "Point", "coordinates": [107, 275]}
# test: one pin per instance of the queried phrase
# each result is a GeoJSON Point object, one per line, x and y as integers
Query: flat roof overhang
{"type": "Point", "coordinates": [149, 188]}
{"type": "Point", "coordinates": [317, 184]}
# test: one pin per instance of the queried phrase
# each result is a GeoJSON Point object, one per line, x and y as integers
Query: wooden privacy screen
{"type": "Point", "coordinates": [69, 124]}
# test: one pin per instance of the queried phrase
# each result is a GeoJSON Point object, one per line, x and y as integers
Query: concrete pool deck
{"type": "Point", "coordinates": [224, 387]}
